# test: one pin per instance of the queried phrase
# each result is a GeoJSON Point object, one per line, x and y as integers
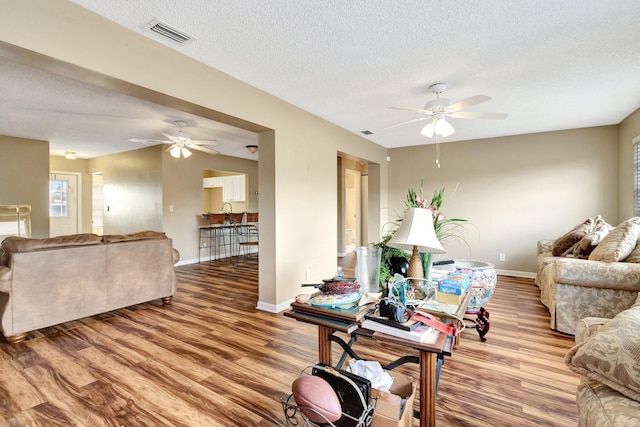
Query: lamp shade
{"type": "Point", "coordinates": [417, 230]}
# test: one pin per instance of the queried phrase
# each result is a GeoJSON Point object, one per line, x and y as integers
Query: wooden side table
{"type": "Point", "coordinates": [427, 353]}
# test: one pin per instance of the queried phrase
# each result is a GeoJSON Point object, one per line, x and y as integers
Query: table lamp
{"type": "Point", "coordinates": [416, 234]}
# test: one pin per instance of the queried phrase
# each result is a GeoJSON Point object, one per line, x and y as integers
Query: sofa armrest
{"type": "Point", "coordinates": [176, 255]}
{"type": "Point", "coordinates": [588, 326]}
{"type": "Point", "coordinates": [545, 245]}
{"type": "Point", "coordinates": [597, 274]}
{"type": "Point", "coordinates": [6, 277]}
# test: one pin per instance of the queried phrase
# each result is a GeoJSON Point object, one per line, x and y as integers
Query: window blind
{"type": "Point", "coordinates": [636, 177]}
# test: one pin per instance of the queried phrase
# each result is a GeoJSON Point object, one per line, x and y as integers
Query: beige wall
{"type": "Point", "coordinates": [301, 156]}
{"type": "Point", "coordinates": [629, 129]}
{"type": "Point", "coordinates": [24, 169]}
{"type": "Point", "coordinates": [182, 188]}
{"type": "Point", "coordinates": [515, 190]}
{"type": "Point", "coordinates": [132, 190]}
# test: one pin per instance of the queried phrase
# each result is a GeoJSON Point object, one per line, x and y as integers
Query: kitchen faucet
{"type": "Point", "coordinates": [230, 207]}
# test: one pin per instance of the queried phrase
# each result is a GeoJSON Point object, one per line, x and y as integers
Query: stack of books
{"type": "Point", "coordinates": [451, 288]}
{"type": "Point", "coordinates": [411, 329]}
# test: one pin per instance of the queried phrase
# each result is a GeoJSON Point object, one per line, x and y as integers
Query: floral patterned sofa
{"type": "Point", "coordinates": [599, 278]}
{"type": "Point", "coordinates": [607, 356]}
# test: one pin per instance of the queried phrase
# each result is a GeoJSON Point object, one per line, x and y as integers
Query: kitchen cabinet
{"type": "Point", "coordinates": [212, 182]}
{"type": "Point", "coordinates": [233, 187]}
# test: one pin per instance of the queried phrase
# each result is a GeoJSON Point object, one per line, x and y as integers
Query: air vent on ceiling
{"type": "Point", "coordinates": [168, 31]}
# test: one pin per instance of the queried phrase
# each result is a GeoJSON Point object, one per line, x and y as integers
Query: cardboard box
{"type": "Point", "coordinates": [395, 408]}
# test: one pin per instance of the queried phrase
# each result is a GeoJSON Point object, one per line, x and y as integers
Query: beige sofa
{"type": "Point", "coordinates": [607, 356]}
{"type": "Point", "coordinates": [603, 284]}
{"type": "Point", "coordinates": [45, 282]}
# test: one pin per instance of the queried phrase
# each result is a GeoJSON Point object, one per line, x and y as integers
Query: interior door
{"type": "Point", "coordinates": [352, 200]}
{"type": "Point", "coordinates": [63, 203]}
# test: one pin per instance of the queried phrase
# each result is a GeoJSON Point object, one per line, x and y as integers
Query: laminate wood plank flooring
{"type": "Point", "coordinates": [213, 359]}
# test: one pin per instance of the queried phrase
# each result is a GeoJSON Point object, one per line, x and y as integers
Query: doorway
{"type": "Point", "coordinates": [97, 207]}
{"type": "Point", "coordinates": [64, 203]}
{"type": "Point", "coordinates": [352, 208]}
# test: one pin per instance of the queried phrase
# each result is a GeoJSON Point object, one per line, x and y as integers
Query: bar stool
{"type": "Point", "coordinates": [214, 225]}
{"type": "Point", "coordinates": [248, 234]}
{"type": "Point", "coordinates": [235, 224]}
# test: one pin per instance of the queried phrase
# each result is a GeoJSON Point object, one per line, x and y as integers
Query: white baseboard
{"type": "Point", "coordinates": [207, 258]}
{"type": "Point", "coordinates": [271, 308]}
{"type": "Point", "coordinates": [514, 273]}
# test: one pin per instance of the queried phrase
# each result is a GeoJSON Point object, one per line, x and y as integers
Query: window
{"type": "Point", "coordinates": [58, 197]}
{"type": "Point", "coordinates": [636, 176]}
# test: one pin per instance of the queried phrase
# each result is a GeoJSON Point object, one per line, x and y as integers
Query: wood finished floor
{"type": "Point", "coordinates": [212, 359]}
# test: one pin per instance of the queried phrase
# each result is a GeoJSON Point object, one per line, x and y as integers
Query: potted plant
{"type": "Point", "coordinates": [445, 228]}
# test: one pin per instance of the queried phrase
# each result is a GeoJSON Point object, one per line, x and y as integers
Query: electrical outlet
{"type": "Point", "coordinates": [503, 257]}
{"type": "Point", "coordinates": [307, 275]}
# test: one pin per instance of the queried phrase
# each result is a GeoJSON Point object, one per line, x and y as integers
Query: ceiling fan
{"type": "Point", "coordinates": [180, 142]}
{"type": "Point", "coordinates": [439, 109]}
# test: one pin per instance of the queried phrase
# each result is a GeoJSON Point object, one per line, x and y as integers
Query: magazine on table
{"type": "Point", "coordinates": [420, 333]}
{"type": "Point", "coordinates": [408, 324]}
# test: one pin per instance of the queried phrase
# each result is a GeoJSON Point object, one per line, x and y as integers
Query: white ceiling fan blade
{"type": "Point", "coordinates": [466, 103]}
{"type": "Point", "coordinates": [171, 137]}
{"type": "Point", "coordinates": [148, 141]}
{"type": "Point", "coordinates": [204, 142]}
{"type": "Point", "coordinates": [415, 110]}
{"type": "Point", "coordinates": [477, 115]}
{"type": "Point", "coordinates": [405, 123]}
{"type": "Point", "coordinates": [203, 149]}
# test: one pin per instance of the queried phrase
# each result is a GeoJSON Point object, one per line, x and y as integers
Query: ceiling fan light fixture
{"type": "Point", "coordinates": [443, 127]}
{"type": "Point", "coordinates": [428, 130]}
{"type": "Point", "coordinates": [253, 149]}
{"type": "Point", "coordinates": [185, 152]}
{"type": "Point", "coordinates": [175, 151]}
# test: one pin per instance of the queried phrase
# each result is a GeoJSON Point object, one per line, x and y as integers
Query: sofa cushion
{"type": "Point", "coordinates": [618, 244]}
{"type": "Point", "coordinates": [612, 355]}
{"type": "Point", "coordinates": [587, 327]}
{"type": "Point", "coordinates": [572, 237]}
{"type": "Point", "coordinates": [601, 406]}
{"type": "Point", "coordinates": [14, 244]}
{"type": "Point", "coordinates": [142, 235]}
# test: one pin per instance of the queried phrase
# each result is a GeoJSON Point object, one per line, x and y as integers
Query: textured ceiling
{"type": "Point", "coordinates": [550, 65]}
{"type": "Point", "coordinates": [92, 121]}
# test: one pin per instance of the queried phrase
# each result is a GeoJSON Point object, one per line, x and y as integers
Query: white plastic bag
{"type": "Point", "coordinates": [372, 370]}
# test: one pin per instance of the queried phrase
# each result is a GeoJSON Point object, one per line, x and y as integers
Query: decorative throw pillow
{"type": "Point", "coordinates": [580, 250]}
{"type": "Point", "coordinates": [634, 256]}
{"type": "Point", "coordinates": [618, 244]}
{"type": "Point", "coordinates": [612, 354]}
{"type": "Point", "coordinates": [572, 237]}
{"type": "Point", "coordinates": [588, 243]}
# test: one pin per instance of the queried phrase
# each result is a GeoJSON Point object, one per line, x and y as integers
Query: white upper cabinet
{"type": "Point", "coordinates": [233, 187]}
{"type": "Point", "coordinates": [212, 182]}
